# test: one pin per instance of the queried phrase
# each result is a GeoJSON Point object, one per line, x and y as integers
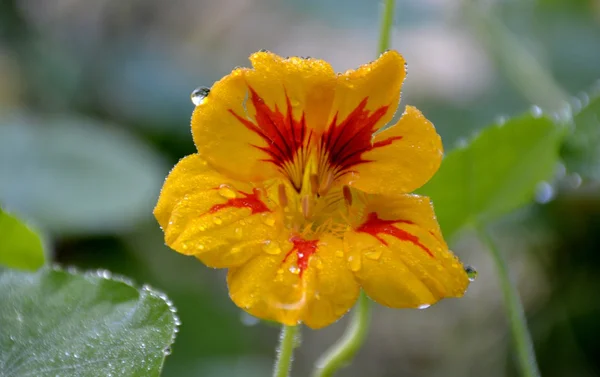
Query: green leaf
{"type": "Point", "coordinates": [497, 172]}
{"type": "Point", "coordinates": [74, 175]}
{"type": "Point", "coordinates": [57, 323]}
{"type": "Point", "coordinates": [581, 150]}
{"type": "Point", "coordinates": [20, 246]}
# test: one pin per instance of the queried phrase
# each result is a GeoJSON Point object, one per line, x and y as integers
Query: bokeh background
{"type": "Point", "coordinates": [94, 111]}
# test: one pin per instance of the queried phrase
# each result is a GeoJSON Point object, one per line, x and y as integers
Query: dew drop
{"type": "Point", "coordinates": [373, 255]}
{"type": "Point", "coordinates": [319, 264]}
{"type": "Point", "coordinates": [471, 273]}
{"type": "Point", "coordinates": [269, 219]}
{"type": "Point", "coordinates": [217, 221]}
{"type": "Point", "coordinates": [167, 351]}
{"type": "Point", "coordinates": [199, 94]}
{"type": "Point", "coordinates": [354, 263]}
{"type": "Point", "coordinates": [271, 247]}
{"type": "Point", "coordinates": [239, 232]}
{"type": "Point", "coordinates": [200, 246]}
{"type": "Point", "coordinates": [544, 192]}
{"type": "Point", "coordinates": [536, 111]}
{"type": "Point", "coordinates": [424, 306]}
{"type": "Point", "coordinates": [226, 191]}
{"type": "Point", "coordinates": [339, 253]}
{"type": "Point", "coordinates": [249, 320]}
{"type": "Point", "coordinates": [294, 269]}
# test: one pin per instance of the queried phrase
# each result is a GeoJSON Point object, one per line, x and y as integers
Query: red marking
{"type": "Point", "coordinates": [344, 144]}
{"type": "Point", "coordinates": [374, 226]}
{"type": "Point", "coordinates": [304, 250]}
{"type": "Point", "coordinates": [248, 201]}
{"type": "Point", "coordinates": [284, 135]}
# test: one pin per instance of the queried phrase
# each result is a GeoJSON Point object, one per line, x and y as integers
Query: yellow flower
{"type": "Point", "coordinates": [300, 194]}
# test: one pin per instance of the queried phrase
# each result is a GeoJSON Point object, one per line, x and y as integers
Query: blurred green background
{"type": "Point", "coordinates": [94, 111]}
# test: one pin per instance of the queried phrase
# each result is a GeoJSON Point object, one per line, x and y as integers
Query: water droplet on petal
{"type": "Point", "coordinates": [217, 221]}
{"type": "Point", "coordinates": [294, 269]}
{"type": "Point", "coordinates": [423, 306]}
{"type": "Point", "coordinates": [319, 264]}
{"type": "Point", "coordinates": [471, 273]}
{"type": "Point", "coordinates": [227, 191]}
{"type": "Point", "coordinates": [249, 320]}
{"type": "Point", "coordinates": [199, 94]}
{"type": "Point", "coordinates": [354, 262]}
{"type": "Point", "coordinates": [269, 219]}
{"type": "Point", "coordinates": [374, 254]}
{"type": "Point", "coordinates": [239, 232]}
{"type": "Point", "coordinates": [271, 247]}
{"type": "Point", "coordinates": [339, 253]}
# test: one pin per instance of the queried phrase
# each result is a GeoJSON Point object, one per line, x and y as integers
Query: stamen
{"type": "Point", "coordinates": [314, 184]}
{"type": "Point", "coordinates": [347, 195]}
{"type": "Point", "coordinates": [326, 184]}
{"type": "Point", "coordinates": [283, 199]}
{"type": "Point", "coordinates": [306, 206]}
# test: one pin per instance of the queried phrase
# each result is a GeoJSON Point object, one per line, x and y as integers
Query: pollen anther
{"type": "Point", "coordinates": [283, 199]}
{"type": "Point", "coordinates": [347, 195]}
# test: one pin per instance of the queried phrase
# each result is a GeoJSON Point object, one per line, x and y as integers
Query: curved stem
{"type": "Point", "coordinates": [344, 350]}
{"type": "Point", "coordinates": [514, 308]}
{"type": "Point", "coordinates": [387, 22]}
{"type": "Point", "coordinates": [287, 343]}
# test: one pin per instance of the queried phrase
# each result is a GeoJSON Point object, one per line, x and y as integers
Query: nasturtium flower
{"type": "Point", "coordinates": [300, 190]}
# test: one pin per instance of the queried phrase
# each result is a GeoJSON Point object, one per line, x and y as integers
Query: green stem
{"type": "Point", "coordinates": [344, 350]}
{"type": "Point", "coordinates": [516, 316]}
{"type": "Point", "coordinates": [387, 22]}
{"type": "Point", "coordinates": [287, 343]}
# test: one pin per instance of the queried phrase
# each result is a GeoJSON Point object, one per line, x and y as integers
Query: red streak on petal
{"type": "Point", "coordinates": [284, 136]}
{"type": "Point", "coordinates": [248, 201]}
{"type": "Point", "coordinates": [346, 142]}
{"type": "Point", "coordinates": [304, 250]}
{"type": "Point", "coordinates": [375, 226]}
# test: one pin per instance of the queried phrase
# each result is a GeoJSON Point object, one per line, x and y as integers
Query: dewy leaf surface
{"type": "Point", "coordinates": [56, 323]}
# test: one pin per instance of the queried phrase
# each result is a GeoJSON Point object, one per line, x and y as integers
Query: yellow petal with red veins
{"type": "Point", "coordinates": [401, 158]}
{"type": "Point", "coordinates": [257, 122]}
{"type": "Point", "coordinates": [377, 84]}
{"type": "Point", "coordinates": [306, 282]}
{"type": "Point", "coordinates": [399, 256]}
{"type": "Point", "coordinates": [220, 221]}
{"type": "Point", "coordinates": [307, 84]}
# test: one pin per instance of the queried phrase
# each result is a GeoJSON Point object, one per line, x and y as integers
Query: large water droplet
{"type": "Point", "coordinates": [199, 94]}
{"type": "Point", "coordinates": [471, 273]}
{"type": "Point", "coordinates": [271, 247]}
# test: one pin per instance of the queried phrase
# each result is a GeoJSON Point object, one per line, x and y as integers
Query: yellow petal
{"type": "Point", "coordinates": [401, 159]}
{"type": "Point", "coordinates": [257, 122]}
{"type": "Point", "coordinates": [399, 256]}
{"type": "Point", "coordinates": [220, 221]}
{"type": "Point", "coordinates": [379, 83]}
{"type": "Point", "coordinates": [307, 282]}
